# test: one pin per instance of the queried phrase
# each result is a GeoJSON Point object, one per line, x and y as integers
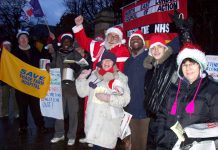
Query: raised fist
{"type": "Point", "coordinates": [79, 20]}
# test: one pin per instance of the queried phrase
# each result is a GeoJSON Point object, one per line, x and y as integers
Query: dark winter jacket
{"type": "Point", "coordinates": [206, 110]}
{"type": "Point", "coordinates": [136, 73]}
{"type": "Point", "coordinates": [31, 56]}
{"type": "Point", "coordinates": [157, 82]}
{"type": "Point", "coordinates": [58, 62]}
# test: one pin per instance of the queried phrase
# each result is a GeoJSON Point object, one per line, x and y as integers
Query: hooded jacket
{"type": "Point", "coordinates": [206, 110]}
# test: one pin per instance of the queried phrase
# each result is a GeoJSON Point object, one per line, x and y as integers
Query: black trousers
{"type": "Point", "coordinates": [24, 101]}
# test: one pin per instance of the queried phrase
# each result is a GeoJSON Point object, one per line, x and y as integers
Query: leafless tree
{"type": "Point", "coordinates": [87, 8]}
{"type": "Point", "coordinates": [10, 12]}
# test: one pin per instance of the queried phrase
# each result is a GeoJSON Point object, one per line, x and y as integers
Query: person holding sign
{"type": "Point", "coordinates": [194, 100]}
{"type": "Point", "coordinates": [30, 55]}
{"type": "Point", "coordinates": [108, 93]}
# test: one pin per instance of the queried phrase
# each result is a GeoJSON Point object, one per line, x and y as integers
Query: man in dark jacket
{"type": "Point", "coordinates": [160, 75]}
{"type": "Point", "coordinates": [136, 75]}
{"type": "Point", "coordinates": [31, 56]}
{"type": "Point", "coordinates": [70, 102]}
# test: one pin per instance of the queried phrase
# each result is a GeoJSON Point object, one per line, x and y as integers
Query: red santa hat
{"type": "Point", "coordinates": [118, 30]}
{"type": "Point", "coordinates": [139, 34]}
{"type": "Point", "coordinates": [155, 40]}
{"type": "Point", "coordinates": [60, 37]}
{"type": "Point", "coordinates": [193, 51]}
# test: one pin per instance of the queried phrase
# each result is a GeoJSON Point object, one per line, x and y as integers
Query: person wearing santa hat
{"type": "Point", "coordinates": [108, 92]}
{"type": "Point", "coordinates": [192, 101]}
{"type": "Point", "coordinates": [113, 42]}
{"type": "Point", "coordinates": [161, 73]}
{"type": "Point", "coordinates": [136, 73]}
{"type": "Point", "coordinates": [66, 51]}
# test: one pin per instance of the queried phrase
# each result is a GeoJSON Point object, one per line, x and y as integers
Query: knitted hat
{"type": "Point", "coordinates": [194, 52]}
{"type": "Point", "coordinates": [60, 37]}
{"type": "Point", "coordinates": [118, 30]}
{"type": "Point", "coordinates": [155, 40]}
{"type": "Point", "coordinates": [20, 32]}
{"type": "Point", "coordinates": [6, 43]}
{"type": "Point", "coordinates": [107, 55]}
{"type": "Point", "coordinates": [139, 34]}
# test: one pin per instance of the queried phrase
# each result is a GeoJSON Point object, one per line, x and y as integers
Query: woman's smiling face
{"type": "Point", "coordinates": [107, 64]}
{"type": "Point", "coordinates": [191, 70]}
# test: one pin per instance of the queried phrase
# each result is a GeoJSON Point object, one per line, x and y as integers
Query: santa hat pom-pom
{"type": "Point", "coordinates": [123, 41]}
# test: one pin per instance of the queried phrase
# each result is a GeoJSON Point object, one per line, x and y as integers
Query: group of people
{"type": "Point", "coordinates": [156, 84]}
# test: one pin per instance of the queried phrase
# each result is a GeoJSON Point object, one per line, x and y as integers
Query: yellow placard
{"type": "Point", "coordinates": [22, 76]}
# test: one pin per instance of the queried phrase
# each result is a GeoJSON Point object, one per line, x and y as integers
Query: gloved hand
{"type": "Point", "coordinates": [103, 97]}
{"type": "Point", "coordinates": [84, 74]}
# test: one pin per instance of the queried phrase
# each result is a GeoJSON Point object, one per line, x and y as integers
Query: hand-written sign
{"type": "Point", "coordinates": [51, 105]}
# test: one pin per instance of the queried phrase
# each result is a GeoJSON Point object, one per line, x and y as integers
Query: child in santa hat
{"type": "Point", "coordinates": [108, 93]}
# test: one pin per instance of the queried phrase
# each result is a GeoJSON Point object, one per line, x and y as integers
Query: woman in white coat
{"type": "Point", "coordinates": [108, 93]}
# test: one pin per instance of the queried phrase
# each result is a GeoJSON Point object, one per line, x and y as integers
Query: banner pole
{"type": "Point", "coordinates": [46, 23]}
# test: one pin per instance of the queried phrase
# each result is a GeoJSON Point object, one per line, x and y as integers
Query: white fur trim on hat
{"type": "Point", "coordinates": [194, 54]}
{"type": "Point", "coordinates": [66, 34]}
{"type": "Point", "coordinates": [22, 32]}
{"type": "Point", "coordinates": [155, 44]}
{"type": "Point", "coordinates": [135, 34]}
{"type": "Point", "coordinates": [115, 30]}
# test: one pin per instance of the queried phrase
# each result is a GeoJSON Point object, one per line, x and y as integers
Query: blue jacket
{"type": "Point", "coordinates": [135, 71]}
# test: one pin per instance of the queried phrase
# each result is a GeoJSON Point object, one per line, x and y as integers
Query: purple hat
{"type": "Point", "coordinates": [107, 55]}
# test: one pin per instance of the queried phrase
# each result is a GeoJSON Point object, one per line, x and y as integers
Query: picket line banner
{"type": "Point", "coordinates": [152, 16]}
{"type": "Point", "coordinates": [22, 76]}
{"type": "Point", "coordinates": [51, 105]}
{"type": "Point", "coordinates": [212, 68]}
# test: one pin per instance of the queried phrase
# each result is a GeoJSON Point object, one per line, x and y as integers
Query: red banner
{"type": "Point", "coordinates": [152, 16]}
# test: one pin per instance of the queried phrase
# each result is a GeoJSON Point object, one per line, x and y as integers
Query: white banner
{"type": "Point", "coordinates": [51, 105]}
{"type": "Point", "coordinates": [212, 68]}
